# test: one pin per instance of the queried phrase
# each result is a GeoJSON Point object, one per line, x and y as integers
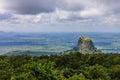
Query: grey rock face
{"type": "Point", "coordinates": [85, 45]}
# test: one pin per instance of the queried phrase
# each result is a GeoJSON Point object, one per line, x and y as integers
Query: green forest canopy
{"type": "Point", "coordinates": [72, 66]}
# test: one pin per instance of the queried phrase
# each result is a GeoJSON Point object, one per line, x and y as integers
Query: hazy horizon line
{"type": "Point", "coordinates": [56, 32]}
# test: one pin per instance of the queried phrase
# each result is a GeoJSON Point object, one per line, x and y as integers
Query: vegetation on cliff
{"type": "Point", "coordinates": [72, 66]}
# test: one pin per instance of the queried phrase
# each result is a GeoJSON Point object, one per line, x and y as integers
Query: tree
{"type": "Point", "coordinates": [97, 72]}
{"type": "Point", "coordinates": [115, 72]}
{"type": "Point", "coordinates": [38, 71]}
{"type": "Point", "coordinates": [78, 77]}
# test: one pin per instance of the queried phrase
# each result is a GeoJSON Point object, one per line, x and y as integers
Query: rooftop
{"type": "Point", "coordinates": [85, 38]}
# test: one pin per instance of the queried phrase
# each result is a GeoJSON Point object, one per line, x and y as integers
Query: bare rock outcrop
{"type": "Point", "coordinates": [85, 45]}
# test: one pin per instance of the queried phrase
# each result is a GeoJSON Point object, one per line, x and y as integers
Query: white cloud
{"type": "Point", "coordinates": [91, 13]}
{"type": "Point", "coordinates": [60, 13]}
{"type": "Point", "coordinates": [37, 19]}
{"type": "Point", "coordinates": [2, 10]}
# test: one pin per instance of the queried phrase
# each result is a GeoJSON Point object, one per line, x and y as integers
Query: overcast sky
{"type": "Point", "coordinates": [60, 15]}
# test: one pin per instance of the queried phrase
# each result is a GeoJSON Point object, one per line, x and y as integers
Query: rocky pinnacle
{"type": "Point", "coordinates": [85, 45]}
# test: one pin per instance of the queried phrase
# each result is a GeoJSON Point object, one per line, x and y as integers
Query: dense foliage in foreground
{"type": "Point", "coordinates": [72, 66]}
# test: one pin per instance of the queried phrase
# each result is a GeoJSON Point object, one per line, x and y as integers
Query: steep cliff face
{"type": "Point", "coordinates": [85, 45]}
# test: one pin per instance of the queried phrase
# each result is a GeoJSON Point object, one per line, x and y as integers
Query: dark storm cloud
{"type": "Point", "coordinates": [46, 6]}
{"type": "Point", "coordinates": [31, 6]}
{"type": "Point", "coordinates": [26, 14]}
{"type": "Point", "coordinates": [73, 9]}
{"type": "Point", "coordinates": [42, 6]}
